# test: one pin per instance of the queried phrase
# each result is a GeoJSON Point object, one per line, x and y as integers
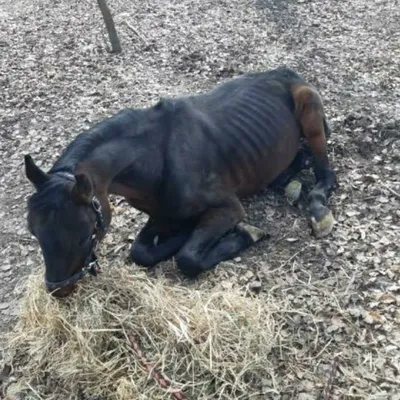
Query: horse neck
{"type": "Point", "coordinates": [108, 160]}
{"type": "Point", "coordinates": [109, 148]}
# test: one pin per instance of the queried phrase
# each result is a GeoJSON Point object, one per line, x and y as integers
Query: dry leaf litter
{"type": "Point", "coordinates": [316, 300]}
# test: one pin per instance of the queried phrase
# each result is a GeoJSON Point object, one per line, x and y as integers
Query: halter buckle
{"type": "Point", "coordinates": [96, 205]}
{"type": "Point", "coordinates": [93, 267]}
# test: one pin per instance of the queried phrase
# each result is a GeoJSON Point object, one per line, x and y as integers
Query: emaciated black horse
{"type": "Point", "coordinates": [185, 162]}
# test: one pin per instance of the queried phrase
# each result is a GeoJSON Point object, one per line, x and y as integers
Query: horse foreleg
{"type": "Point", "coordinates": [217, 237]}
{"type": "Point", "coordinates": [309, 111]}
{"type": "Point", "coordinates": [156, 243]}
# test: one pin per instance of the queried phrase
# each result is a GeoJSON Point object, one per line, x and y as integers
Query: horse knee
{"type": "Point", "coordinates": [140, 255]}
{"type": "Point", "coordinates": [189, 263]}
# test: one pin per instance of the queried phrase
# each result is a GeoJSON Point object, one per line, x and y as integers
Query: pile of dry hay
{"type": "Point", "coordinates": [208, 344]}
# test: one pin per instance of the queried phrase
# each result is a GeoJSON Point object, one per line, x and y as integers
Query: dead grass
{"type": "Point", "coordinates": [209, 344]}
{"type": "Point", "coordinates": [304, 338]}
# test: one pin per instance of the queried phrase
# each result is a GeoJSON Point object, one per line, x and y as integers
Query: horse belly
{"type": "Point", "coordinates": [273, 157]}
{"type": "Point", "coordinates": [278, 159]}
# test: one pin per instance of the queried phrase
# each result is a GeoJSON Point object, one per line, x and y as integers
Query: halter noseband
{"type": "Point", "coordinates": [91, 265]}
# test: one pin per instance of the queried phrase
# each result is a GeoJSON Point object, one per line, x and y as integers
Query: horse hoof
{"type": "Point", "coordinates": [293, 191]}
{"type": "Point", "coordinates": [322, 221]}
{"type": "Point", "coordinates": [255, 234]}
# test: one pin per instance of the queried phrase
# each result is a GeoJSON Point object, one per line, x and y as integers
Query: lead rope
{"type": "Point", "coordinates": [163, 382]}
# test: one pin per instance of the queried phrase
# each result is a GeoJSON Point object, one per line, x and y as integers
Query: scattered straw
{"type": "Point", "coordinates": [206, 344]}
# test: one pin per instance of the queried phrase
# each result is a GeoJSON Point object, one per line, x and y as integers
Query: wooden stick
{"type": "Point", "coordinates": [392, 191]}
{"type": "Point", "coordinates": [163, 382]}
{"type": "Point", "coordinates": [135, 31]}
{"type": "Point", "coordinates": [112, 32]}
{"type": "Point", "coordinates": [331, 377]}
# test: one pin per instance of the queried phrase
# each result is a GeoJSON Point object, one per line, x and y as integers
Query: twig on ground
{"type": "Point", "coordinates": [135, 31]}
{"type": "Point", "coordinates": [331, 377]}
{"type": "Point", "coordinates": [35, 392]}
{"type": "Point", "coordinates": [290, 259]}
{"type": "Point", "coordinates": [163, 382]}
{"type": "Point", "coordinates": [391, 191]}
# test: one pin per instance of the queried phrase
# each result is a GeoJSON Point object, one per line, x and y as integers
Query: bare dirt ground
{"type": "Point", "coordinates": [56, 78]}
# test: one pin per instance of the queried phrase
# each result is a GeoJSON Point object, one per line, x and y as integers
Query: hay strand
{"type": "Point", "coordinates": [109, 339]}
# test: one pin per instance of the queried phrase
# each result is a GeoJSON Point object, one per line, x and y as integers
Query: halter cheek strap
{"type": "Point", "coordinates": [91, 265]}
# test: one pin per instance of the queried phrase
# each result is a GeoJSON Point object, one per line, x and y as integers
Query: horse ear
{"type": "Point", "coordinates": [82, 192]}
{"type": "Point", "coordinates": [34, 173]}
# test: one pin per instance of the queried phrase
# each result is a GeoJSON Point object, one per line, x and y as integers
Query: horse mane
{"type": "Point", "coordinates": [101, 133]}
{"type": "Point", "coordinates": [51, 195]}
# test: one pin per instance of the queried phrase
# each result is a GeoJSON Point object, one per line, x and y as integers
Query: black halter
{"type": "Point", "coordinates": [91, 265]}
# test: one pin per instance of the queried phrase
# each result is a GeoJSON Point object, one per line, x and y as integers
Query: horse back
{"type": "Point", "coordinates": [255, 133]}
{"type": "Point", "coordinates": [235, 139]}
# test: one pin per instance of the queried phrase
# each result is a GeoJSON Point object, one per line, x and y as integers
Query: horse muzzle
{"type": "Point", "coordinates": [61, 292]}
{"type": "Point", "coordinates": [65, 287]}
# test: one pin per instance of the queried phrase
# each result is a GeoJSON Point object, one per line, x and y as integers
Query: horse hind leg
{"type": "Point", "coordinates": [219, 235]}
{"type": "Point", "coordinates": [299, 163]}
{"type": "Point", "coordinates": [309, 111]}
{"type": "Point", "coordinates": [285, 182]}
